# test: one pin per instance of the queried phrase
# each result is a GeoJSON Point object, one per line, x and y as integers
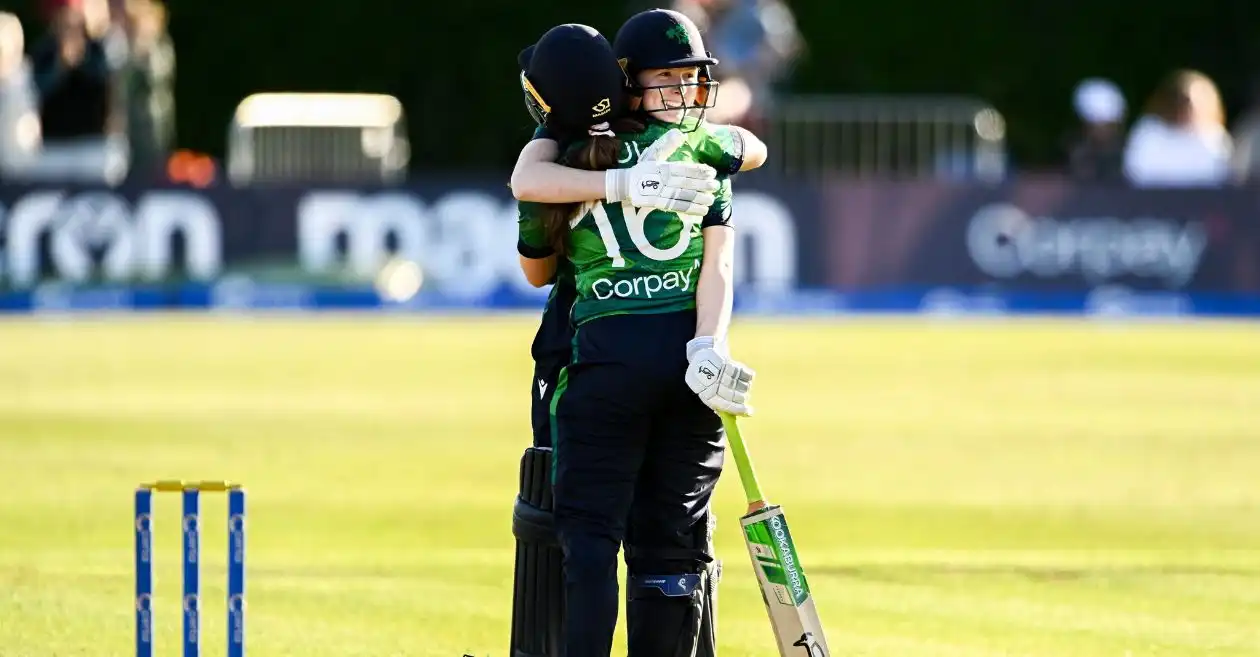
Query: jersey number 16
{"type": "Point", "coordinates": [635, 219]}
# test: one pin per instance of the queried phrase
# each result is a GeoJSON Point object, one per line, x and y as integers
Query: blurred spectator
{"type": "Point", "coordinates": [1181, 140]}
{"type": "Point", "coordinates": [1246, 160]}
{"type": "Point", "coordinates": [19, 108]}
{"type": "Point", "coordinates": [1096, 154]}
{"type": "Point", "coordinates": [146, 85]}
{"type": "Point", "coordinates": [73, 74]}
{"type": "Point", "coordinates": [756, 42]}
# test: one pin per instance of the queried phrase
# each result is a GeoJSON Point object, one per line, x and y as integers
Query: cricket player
{"type": "Point", "coordinates": [537, 613]}
{"type": "Point", "coordinates": [638, 447]}
{"type": "Point", "coordinates": [674, 186]}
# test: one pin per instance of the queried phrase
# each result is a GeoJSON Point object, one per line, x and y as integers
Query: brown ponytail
{"type": "Point", "coordinates": [597, 153]}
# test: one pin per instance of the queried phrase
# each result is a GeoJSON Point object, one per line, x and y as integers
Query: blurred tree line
{"type": "Point", "coordinates": [453, 63]}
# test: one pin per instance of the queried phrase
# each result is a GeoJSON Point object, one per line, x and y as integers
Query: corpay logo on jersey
{"type": "Point", "coordinates": [1005, 242]}
{"type": "Point", "coordinates": [130, 242]}
{"type": "Point", "coordinates": [465, 241]}
{"type": "Point", "coordinates": [645, 286]}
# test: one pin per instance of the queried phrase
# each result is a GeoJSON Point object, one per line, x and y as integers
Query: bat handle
{"type": "Point", "coordinates": [747, 476]}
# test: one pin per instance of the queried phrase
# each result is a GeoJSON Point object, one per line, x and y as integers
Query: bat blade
{"type": "Point", "coordinates": [797, 628]}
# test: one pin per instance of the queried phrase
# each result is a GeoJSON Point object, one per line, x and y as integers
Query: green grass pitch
{"type": "Point", "coordinates": [957, 489]}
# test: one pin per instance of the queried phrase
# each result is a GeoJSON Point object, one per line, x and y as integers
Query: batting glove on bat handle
{"type": "Point", "coordinates": [723, 384]}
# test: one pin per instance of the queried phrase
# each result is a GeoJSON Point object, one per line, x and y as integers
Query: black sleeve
{"type": "Point", "coordinates": [533, 252]}
{"type": "Point", "coordinates": [737, 155]}
{"type": "Point", "coordinates": [717, 217]}
{"type": "Point", "coordinates": [720, 212]}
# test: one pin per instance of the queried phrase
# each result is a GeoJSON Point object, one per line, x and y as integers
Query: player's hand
{"type": "Point", "coordinates": [723, 384]}
{"type": "Point", "coordinates": [683, 187]}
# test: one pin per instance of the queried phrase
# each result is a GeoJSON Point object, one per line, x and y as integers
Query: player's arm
{"type": "Point", "coordinates": [536, 177]}
{"type": "Point", "coordinates": [653, 182]}
{"type": "Point", "coordinates": [721, 382]}
{"type": "Point", "coordinates": [730, 149]}
{"type": "Point", "coordinates": [715, 290]}
{"type": "Point", "coordinates": [539, 271]}
{"type": "Point", "coordinates": [715, 286]}
{"type": "Point", "coordinates": [538, 260]}
{"type": "Point", "coordinates": [715, 294]}
{"type": "Point", "coordinates": [755, 151]}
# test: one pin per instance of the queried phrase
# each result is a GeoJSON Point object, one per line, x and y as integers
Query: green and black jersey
{"type": "Point", "coordinates": [629, 260]}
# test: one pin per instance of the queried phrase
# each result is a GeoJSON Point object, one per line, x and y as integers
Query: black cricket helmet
{"type": "Point", "coordinates": [663, 38]}
{"type": "Point", "coordinates": [572, 80]}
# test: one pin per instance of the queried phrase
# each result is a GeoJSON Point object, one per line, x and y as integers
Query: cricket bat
{"type": "Point", "coordinates": [797, 629]}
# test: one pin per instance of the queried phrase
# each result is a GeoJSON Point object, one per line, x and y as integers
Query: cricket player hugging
{"type": "Point", "coordinates": [626, 208]}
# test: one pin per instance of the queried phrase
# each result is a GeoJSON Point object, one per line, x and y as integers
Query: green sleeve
{"type": "Point", "coordinates": [721, 147]}
{"type": "Point", "coordinates": [720, 212]}
{"type": "Point", "coordinates": [531, 240]}
{"type": "Point", "coordinates": [541, 132]}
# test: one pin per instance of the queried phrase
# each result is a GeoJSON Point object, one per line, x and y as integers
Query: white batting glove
{"type": "Point", "coordinates": [723, 384]}
{"type": "Point", "coordinates": [683, 187]}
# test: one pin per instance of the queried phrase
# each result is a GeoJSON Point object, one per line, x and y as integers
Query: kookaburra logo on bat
{"type": "Point", "coordinates": [810, 645]}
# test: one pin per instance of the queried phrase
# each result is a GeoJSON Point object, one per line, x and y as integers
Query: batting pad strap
{"type": "Point", "coordinates": [669, 586]}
